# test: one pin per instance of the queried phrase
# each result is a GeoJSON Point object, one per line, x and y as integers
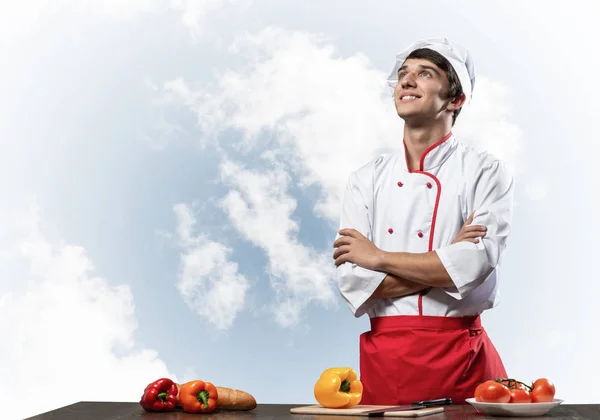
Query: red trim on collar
{"type": "Point", "coordinates": [430, 148]}
{"type": "Point", "coordinates": [424, 155]}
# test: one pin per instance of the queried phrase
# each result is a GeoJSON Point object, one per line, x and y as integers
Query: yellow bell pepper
{"type": "Point", "coordinates": [338, 388]}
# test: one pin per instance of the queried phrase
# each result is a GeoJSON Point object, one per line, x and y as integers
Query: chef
{"type": "Point", "coordinates": [422, 234]}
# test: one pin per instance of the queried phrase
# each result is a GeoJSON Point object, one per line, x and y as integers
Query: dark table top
{"type": "Point", "coordinates": [133, 411]}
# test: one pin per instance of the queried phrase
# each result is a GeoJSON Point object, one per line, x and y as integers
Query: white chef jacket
{"type": "Point", "coordinates": [418, 211]}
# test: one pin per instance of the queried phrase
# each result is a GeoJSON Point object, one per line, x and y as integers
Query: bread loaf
{"type": "Point", "coordinates": [234, 399]}
{"type": "Point", "coordinates": [231, 399]}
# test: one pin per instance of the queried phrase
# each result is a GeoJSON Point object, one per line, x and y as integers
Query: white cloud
{"type": "Point", "coordinates": [327, 114]}
{"type": "Point", "coordinates": [556, 53]}
{"type": "Point", "coordinates": [64, 327]}
{"type": "Point", "coordinates": [485, 123]}
{"type": "Point", "coordinates": [261, 208]}
{"type": "Point", "coordinates": [208, 282]}
{"type": "Point", "coordinates": [193, 13]}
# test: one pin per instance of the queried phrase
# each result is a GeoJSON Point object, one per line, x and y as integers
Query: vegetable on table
{"type": "Point", "coordinates": [492, 392]}
{"type": "Point", "coordinates": [543, 390]}
{"type": "Point", "coordinates": [519, 395]}
{"type": "Point", "coordinates": [338, 388]}
{"type": "Point", "coordinates": [508, 390]}
{"type": "Point", "coordinates": [160, 395]}
{"type": "Point", "coordinates": [233, 399]}
{"type": "Point", "coordinates": [198, 397]}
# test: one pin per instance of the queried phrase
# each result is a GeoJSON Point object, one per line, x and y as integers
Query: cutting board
{"type": "Point", "coordinates": [360, 410]}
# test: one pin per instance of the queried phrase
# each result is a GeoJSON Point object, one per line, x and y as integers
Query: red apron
{"type": "Point", "coordinates": [412, 358]}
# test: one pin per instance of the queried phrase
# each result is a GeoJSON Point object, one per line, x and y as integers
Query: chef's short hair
{"type": "Point", "coordinates": [454, 87]}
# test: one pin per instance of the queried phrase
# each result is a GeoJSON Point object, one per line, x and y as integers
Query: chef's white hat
{"type": "Point", "coordinates": [459, 58]}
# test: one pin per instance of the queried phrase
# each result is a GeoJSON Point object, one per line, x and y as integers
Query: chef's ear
{"type": "Point", "coordinates": [457, 102]}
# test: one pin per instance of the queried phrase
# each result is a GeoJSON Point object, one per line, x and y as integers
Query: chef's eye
{"type": "Point", "coordinates": [425, 73]}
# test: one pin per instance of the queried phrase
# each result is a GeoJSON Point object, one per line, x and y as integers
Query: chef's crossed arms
{"type": "Point", "coordinates": [354, 247]}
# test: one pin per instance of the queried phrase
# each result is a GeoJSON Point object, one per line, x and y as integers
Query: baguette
{"type": "Point", "coordinates": [234, 399]}
{"type": "Point", "coordinates": [231, 399]}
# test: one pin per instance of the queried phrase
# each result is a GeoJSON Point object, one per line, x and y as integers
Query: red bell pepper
{"type": "Point", "coordinates": [160, 395]}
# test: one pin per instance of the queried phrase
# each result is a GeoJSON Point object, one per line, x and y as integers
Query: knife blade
{"type": "Point", "coordinates": [417, 405]}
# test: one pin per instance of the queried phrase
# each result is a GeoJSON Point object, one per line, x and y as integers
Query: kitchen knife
{"type": "Point", "coordinates": [414, 406]}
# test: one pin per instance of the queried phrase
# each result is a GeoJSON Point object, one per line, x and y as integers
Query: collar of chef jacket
{"type": "Point", "coordinates": [435, 155]}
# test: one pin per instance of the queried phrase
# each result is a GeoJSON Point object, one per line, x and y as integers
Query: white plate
{"type": "Point", "coordinates": [514, 409]}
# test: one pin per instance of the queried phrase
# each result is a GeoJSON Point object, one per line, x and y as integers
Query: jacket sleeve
{"type": "Point", "coordinates": [469, 264]}
{"type": "Point", "coordinates": [357, 284]}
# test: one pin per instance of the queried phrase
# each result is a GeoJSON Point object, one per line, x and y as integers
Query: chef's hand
{"type": "Point", "coordinates": [353, 246]}
{"type": "Point", "coordinates": [470, 233]}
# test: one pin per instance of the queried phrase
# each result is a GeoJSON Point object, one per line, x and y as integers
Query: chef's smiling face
{"type": "Point", "coordinates": [421, 92]}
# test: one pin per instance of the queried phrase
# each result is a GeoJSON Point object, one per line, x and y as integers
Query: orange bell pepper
{"type": "Point", "coordinates": [198, 397]}
{"type": "Point", "coordinates": [338, 388]}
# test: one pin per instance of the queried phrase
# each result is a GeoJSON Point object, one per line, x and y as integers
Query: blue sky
{"type": "Point", "coordinates": [171, 174]}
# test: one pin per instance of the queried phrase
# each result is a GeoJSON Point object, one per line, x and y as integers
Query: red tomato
{"type": "Point", "coordinates": [543, 391]}
{"type": "Point", "coordinates": [519, 396]}
{"type": "Point", "coordinates": [493, 392]}
{"type": "Point", "coordinates": [478, 392]}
